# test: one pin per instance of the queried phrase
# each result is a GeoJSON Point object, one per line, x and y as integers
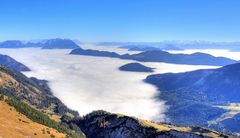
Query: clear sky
{"type": "Point", "coordinates": [121, 20]}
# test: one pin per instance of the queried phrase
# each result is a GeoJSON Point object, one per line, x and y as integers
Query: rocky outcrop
{"type": "Point", "coordinates": [101, 124]}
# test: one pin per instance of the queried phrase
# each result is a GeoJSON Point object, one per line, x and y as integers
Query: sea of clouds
{"type": "Point", "coordinates": [86, 83]}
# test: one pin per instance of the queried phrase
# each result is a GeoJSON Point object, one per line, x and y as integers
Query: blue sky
{"type": "Point", "coordinates": [121, 20]}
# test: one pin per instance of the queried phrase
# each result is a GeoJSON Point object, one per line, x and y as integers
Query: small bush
{"type": "Point", "coordinates": [1, 97]}
{"type": "Point", "coordinates": [25, 122]}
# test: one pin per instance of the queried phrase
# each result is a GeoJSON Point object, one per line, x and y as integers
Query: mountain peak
{"type": "Point", "coordinates": [58, 43]}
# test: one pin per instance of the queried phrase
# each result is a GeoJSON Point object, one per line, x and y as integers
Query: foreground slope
{"type": "Point", "coordinates": [35, 92]}
{"type": "Point", "coordinates": [33, 98]}
{"type": "Point", "coordinates": [101, 124]}
{"type": "Point", "coordinates": [16, 125]}
{"type": "Point", "coordinates": [207, 97]}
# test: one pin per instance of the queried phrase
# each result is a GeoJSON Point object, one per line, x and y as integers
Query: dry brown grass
{"type": "Point", "coordinates": [6, 78]}
{"type": "Point", "coordinates": [163, 127]}
{"type": "Point", "coordinates": [166, 127]}
{"type": "Point", "coordinates": [16, 125]}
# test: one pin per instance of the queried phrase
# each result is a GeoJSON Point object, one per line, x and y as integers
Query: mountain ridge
{"type": "Point", "coordinates": [202, 91]}
{"type": "Point", "coordinates": [160, 56]}
{"type": "Point", "coordinates": [12, 63]}
{"type": "Point", "coordinates": [60, 44]}
{"type": "Point", "coordinates": [100, 124]}
{"type": "Point", "coordinates": [56, 43]}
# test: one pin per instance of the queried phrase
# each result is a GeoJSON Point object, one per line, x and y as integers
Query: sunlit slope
{"type": "Point", "coordinates": [16, 125]}
{"type": "Point", "coordinates": [32, 98]}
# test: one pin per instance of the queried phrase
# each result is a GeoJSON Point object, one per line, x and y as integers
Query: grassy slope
{"type": "Point", "coordinates": [15, 124]}
{"type": "Point", "coordinates": [38, 117]}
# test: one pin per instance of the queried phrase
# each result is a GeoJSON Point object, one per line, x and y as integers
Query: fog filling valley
{"type": "Point", "coordinates": [86, 83]}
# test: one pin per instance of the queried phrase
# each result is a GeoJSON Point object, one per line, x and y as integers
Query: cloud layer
{"type": "Point", "coordinates": [87, 83]}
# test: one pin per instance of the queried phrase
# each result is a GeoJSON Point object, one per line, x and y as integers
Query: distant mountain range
{"type": "Point", "coordinates": [143, 49]}
{"type": "Point", "coordinates": [90, 52]}
{"type": "Point", "coordinates": [171, 47]}
{"type": "Point", "coordinates": [47, 44]}
{"type": "Point", "coordinates": [12, 44]}
{"type": "Point", "coordinates": [165, 45]}
{"type": "Point", "coordinates": [179, 44]}
{"type": "Point", "coordinates": [148, 47]}
{"type": "Point", "coordinates": [190, 59]}
{"type": "Point", "coordinates": [202, 96]}
{"type": "Point", "coordinates": [161, 56]}
{"type": "Point", "coordinates": [60, 44]}
{"type": "Point", "coordinates": [18, 44]}
{"type": "Point", "coordinates": [135, 67]}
